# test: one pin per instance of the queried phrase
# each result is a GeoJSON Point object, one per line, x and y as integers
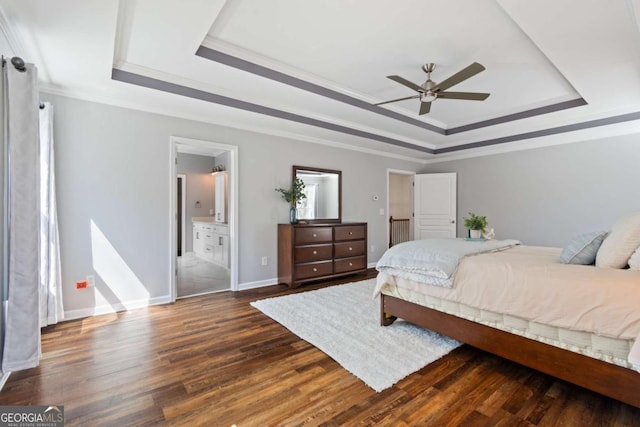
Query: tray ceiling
{"type": "Point", "coordinates": [556, 71]}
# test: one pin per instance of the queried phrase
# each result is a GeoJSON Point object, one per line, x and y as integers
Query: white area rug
{"type": "Point", "coordinates": [343, 321]}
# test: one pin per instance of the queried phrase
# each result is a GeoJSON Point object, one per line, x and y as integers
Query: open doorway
{"type": "Point", "coordinates": [203, 263]}
{"type": "Point", "coordinates": [400, 206]}
{"type": "Point", "coordinates": [203, 234]}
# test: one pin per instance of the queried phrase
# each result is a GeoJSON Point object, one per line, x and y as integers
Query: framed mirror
{"type": "Point", "coordinates": [323, 188]}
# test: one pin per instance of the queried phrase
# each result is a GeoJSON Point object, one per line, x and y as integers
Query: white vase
{"type": "Point", "coordinates": [475, 234]}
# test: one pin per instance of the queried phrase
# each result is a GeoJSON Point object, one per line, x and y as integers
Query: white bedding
{"type": "Point", "coordinates": [530, 283]}
{"type": "Point", "coordinates": [434, 261]}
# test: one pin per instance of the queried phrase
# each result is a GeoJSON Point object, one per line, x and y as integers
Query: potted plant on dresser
{"type": "Point", "coordinates": [293, 196]}
{"type": "Point", "coordinates": [476, 225]}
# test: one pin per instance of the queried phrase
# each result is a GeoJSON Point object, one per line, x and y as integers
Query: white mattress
{"type": "Point", "coordinates": [526, 291]}
{"type": "Point", "coordinates": [611, 350]}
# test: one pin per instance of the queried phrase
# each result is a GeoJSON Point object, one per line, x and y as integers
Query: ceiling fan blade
{"type": "Point", "coordinates": [458, 77]}
{"type": "Point", "coordinates": [470, 96]}
{"type": "Point", "coordinates": [406, 83]}
{"type": "Point", "coordinates": [399, 99]}
{"type": "Point", "coordinates": [425, 107]}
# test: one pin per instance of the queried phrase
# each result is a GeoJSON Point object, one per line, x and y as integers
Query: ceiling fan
{"type": "Point", "coordinates": [429, 91]}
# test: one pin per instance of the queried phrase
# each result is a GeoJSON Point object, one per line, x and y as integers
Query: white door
{"type": "Point", "coordinates": [435, 205]}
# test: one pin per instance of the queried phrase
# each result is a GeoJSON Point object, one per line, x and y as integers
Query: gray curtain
{"type": "Point", "coordinates": [51, 310]}
{"type": "Point", "coordinates": [21, 344]}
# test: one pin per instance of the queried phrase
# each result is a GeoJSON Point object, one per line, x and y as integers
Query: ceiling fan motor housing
{"type": "Point", "coordinates": [429, 95]}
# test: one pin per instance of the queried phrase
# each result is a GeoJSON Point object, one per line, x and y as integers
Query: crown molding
{"type": "Point", "coordinates": [227, 54]}
{"type": "Point", "coordinates": [190, 92]}
{"type": "Point", "coordinates": [216, 90]}
{"type": "Point", "coordinates": [581, 135]}
{"type": "Point", "coordinates": [242, 126]}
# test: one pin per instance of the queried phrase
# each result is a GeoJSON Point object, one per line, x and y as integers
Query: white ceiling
{"type": "Point", "coordinates": [311, 70]}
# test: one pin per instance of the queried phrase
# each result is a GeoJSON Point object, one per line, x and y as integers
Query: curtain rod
{"type": "Point", "coordinates": [19, 64]}
{"type": "Point", "coordinates": [16, 61]}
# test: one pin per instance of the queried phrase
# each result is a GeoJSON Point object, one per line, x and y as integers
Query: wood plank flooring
{"type": "Point", "coordinates": [214, 360]}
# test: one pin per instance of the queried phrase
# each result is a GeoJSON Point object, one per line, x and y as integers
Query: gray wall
{"type": "Point", "coordinates": [548, 195]}
{"type": "Point", "coordinates": [200, 188]}
{"type": "Point", "coordinates": [114, 190]}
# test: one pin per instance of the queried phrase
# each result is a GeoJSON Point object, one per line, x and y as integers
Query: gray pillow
{"type": "Point", "coordinates": [583, 249]}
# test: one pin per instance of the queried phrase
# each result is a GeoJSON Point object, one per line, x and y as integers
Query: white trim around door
{"type": "Point", "coordinates": [207, 148]}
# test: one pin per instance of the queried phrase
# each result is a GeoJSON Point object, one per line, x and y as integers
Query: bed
{"type": "Point", "coordinates": [579, 323]}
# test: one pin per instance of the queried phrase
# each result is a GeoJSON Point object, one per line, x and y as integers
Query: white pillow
{"type": "Point", "coordinates": [620, 244]}
{"type": "Point", "coordinates": [634, 261]}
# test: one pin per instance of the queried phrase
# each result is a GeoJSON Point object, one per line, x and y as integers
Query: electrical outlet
{"type": "Point", "coordinates": [373, 248]}
{"type": "Point", "coordinates": [91, 280]}
{"type": "Point", "coordinates": [81, 285]}
{"type": "Point", "coordinates": [265, 260]}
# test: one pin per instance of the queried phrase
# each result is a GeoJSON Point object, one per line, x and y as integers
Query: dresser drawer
{"type": "Point", "coordinates": [315, 269]}
{"type": "Point", "coordinates": [220, 229]}
{"type": "Point", "coordinates": [313, 253]}
{"type": "Point", "coordinates": [350, 232]}
{"type": "Point", "coordinates": [349, 249]}
{"type": "Point", "coordinates": [313, 235]}
{"type": "Point", "coordinates": [349, 264]}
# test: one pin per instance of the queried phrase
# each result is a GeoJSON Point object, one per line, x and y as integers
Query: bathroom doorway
{"type": "Point", "coordinates": [203, 233]}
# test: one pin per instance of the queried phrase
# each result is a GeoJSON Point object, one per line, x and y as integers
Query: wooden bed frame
{"type": "Point", "coordinates": [610, 380]}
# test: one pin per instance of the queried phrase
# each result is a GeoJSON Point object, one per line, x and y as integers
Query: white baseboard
{"type": "Point", "coordinates": [4, 378]}
{"type": "Point", "coordinates": [271, 282]}
{"type": "Point", "coordinates": [258, 284]}
{"type": "Point", "coordinates": [372, 265]}
{"type": "Point", "coordinates": [114, 308]}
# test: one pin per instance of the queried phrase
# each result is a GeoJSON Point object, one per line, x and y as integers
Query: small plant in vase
{"type": "Point", "coordinates": [476, 225]}
{"type": "Point", "coordinates": [293, 196]}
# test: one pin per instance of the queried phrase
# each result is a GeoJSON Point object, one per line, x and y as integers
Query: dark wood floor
{"type": "Point", "coordinates": [214, 360]}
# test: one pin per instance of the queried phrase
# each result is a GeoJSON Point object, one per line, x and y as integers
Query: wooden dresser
{"type": "Point", "coordinates": [309, 252]}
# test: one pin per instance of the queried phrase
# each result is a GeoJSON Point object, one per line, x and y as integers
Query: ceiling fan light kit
{"type": "Point", "coordinates": [429, 91]}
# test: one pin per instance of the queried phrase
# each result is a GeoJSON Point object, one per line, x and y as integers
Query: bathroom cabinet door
{"type": "Point", "coordinates": [221, 195]}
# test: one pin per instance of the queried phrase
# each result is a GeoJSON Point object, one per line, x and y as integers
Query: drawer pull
{"type": "Point", "coordinates": [315, 252]}
{"type": "Point", "coordinates": [350, 233]}
{"type": "Point", "coordinates": [315, 269]}
{"type": "Point", "coordinates": [350, 264]}
{"type": "Point", "coordinates": [350, 248]}
{"type": "Point", "coordinates": [315, 235]}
